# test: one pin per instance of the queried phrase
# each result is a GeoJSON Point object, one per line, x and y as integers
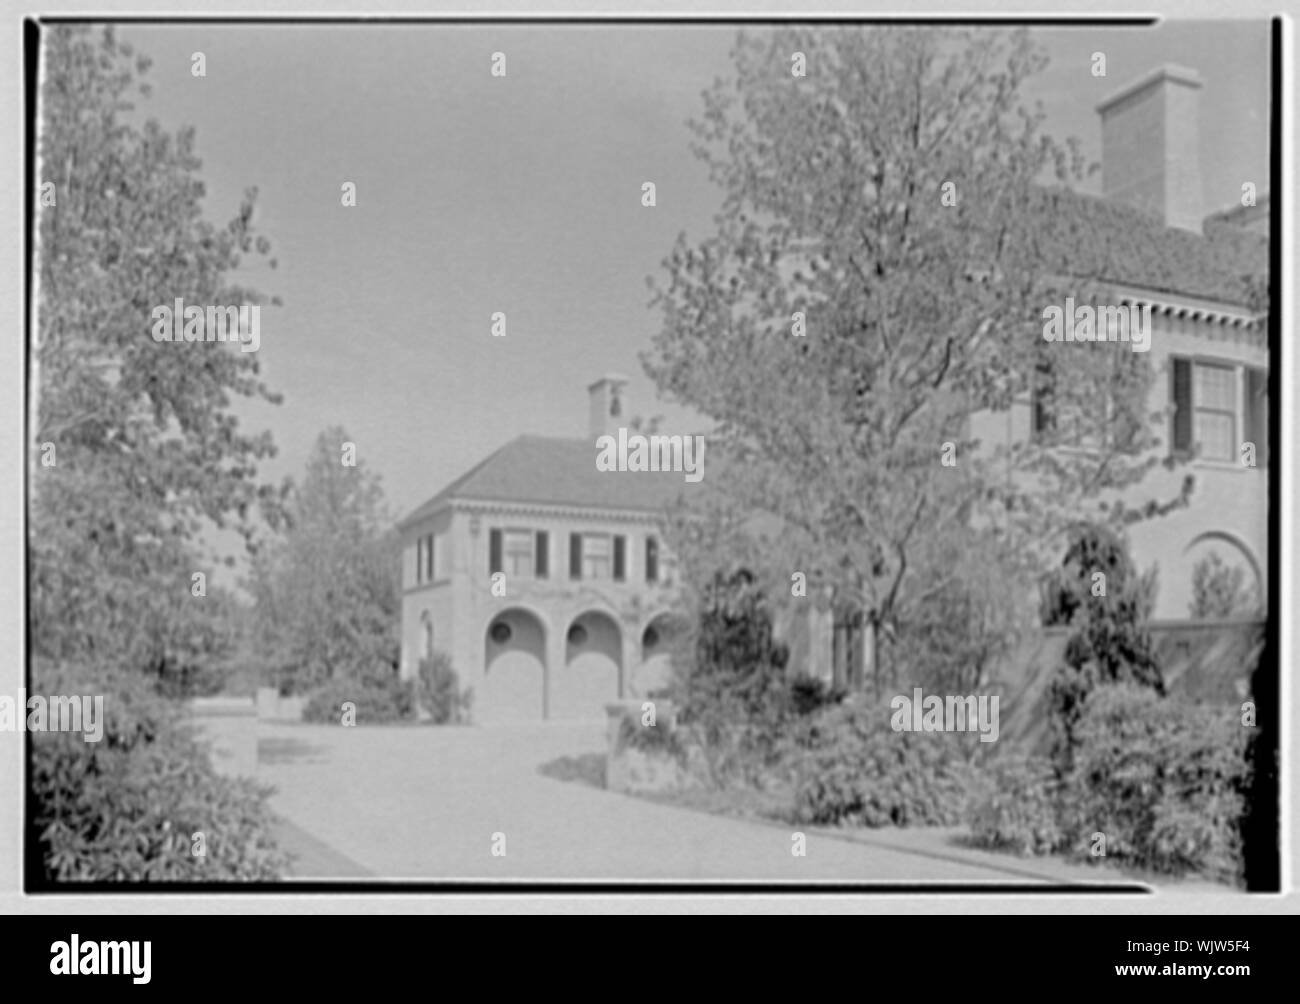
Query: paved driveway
{"type": "Point", "coordinates": [423, 803]}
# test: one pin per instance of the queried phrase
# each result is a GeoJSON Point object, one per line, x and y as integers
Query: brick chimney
{"type": "Point", "coordinates": [608, 409]}
{"type": "Point", "coordinates": [1150, 146]}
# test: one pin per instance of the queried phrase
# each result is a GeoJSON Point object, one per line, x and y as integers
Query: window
{"type": "Point", "coordinates": [1214, 400]}
{"type": "Point", "coordinates": [519, 553]}
{"type": "Point", "coordinates": [424, 559]}
{"type": "Point", "coordinates": [651, 559]}
{"type": "Point", "coordinates": [595, 554]}
{"type": "Point", "coordinates": [1205, 399]}
{"type": "Point", "coordinates": [620, 558]}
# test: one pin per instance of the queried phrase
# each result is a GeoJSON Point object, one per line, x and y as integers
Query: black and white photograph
{"type": "Point", "coordinates": [829, 455]}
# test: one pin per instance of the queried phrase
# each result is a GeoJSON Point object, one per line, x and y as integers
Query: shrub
{"type": "Point", "coordinates": [1110, 642]}
{"type": "Point", "coordinates": [1019, 809]}
{"type": "Point", "coordinates": [808, 695]}
{"type": "Point", "coordinates": [734, 698]}
{"type": "Point", "coordinates": [1162, 780]}
{"type": "Point", "coordinates": [1221, 590]}
{"type": "Point", "coordinates": [439, 692]}
{"type": "Point", "coordinates": [383, 697]}
{"type": "Point", "coordinates": [126, 808]}
{"type": "Point", "coordinates": [855, 769]}
{"type": "Point", "coordinates": [659, 739]}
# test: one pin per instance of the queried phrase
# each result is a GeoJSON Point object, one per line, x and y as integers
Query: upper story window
{"type": "Point", "coordinates": [652, 559]}
{"type": "Point", "coordinates": [596, 553]}
{"type": "Point", "coordinates": [597, 556]}
{"type": "Point", "coordinates": [1217, 407]}
{"type": "Point", "coordinates": [519, 553]}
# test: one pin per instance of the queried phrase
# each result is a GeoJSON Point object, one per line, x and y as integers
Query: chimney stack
{"type": "Point", "coordinates": [608, 413]}
{"type": "Point", "coordinates": [1150, 146]}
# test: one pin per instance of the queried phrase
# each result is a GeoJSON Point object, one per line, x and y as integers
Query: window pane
{"type": "Point", "coordinates": [519, 552]}
{"type": "Point", "coordinates": [1215, 387]}
{"type": "Point", "coordinates": [596, 550]}
{"type": "Point", "coordinates": [1214, 433]}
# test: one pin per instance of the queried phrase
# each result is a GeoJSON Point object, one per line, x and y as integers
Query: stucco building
{"type": "Point", "coordinates": [1149, 241]}
{"type": "Point", "coordinates": [578, 618]}
{"type": "Point", "coordinates": [576, 614]}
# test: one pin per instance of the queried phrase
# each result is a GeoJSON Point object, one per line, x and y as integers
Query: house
{"type": "Point", "coordinates": [1150, 243]}
{"type": "Point", "coordinates": [578, 615]}
{"type": "Point", "coordinates": [544, 578]}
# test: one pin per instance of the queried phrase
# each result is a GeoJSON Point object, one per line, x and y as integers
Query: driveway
{"type": "Point", "coordinates": [424, 803]}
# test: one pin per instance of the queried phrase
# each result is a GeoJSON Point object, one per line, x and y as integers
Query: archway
{"type": "Point", "coordinates": [1218, 564]}
{"type": "Point", "coordinates": [593, 667]}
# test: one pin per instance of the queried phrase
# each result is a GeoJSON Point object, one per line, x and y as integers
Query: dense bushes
{"type": "Point", "coordinates": [1020, 808]}
{"type": "Point", "coordinates": [1162, 780]}
{"type": "Point", "coordinates": [734, 697]}
{"type": "Point", "coordinates": [378, 697]}
{"type": "Point", "coordinates": [660, 739]}
{"type": "Point", "coordinates": [1100, 595]}
{"type": "Point", "coordinates": [439, 693]}
{"type": "Point", "coordinates": [855, 769]}
{"type": "Point", "coordinates": [127, 808]}
{"type": "Point", "coordinates": [381, 696]}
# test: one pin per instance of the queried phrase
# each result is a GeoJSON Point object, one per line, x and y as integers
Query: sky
{"type": "Point", "coordinates": [522, 194]}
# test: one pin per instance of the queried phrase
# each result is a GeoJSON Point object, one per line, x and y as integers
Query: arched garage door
{"type": "Point", "coordinates": [593, 664]}
{"type": "Point", "coordinates": [515, 676]}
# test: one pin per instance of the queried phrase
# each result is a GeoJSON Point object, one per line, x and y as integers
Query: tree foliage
{"type": "Point", "coordinates": [136, 452]}
{"type": "Point", "coordinates": [918, 315]}
{"type": "Point", "coordinates": [327, 592]}
{"type": "Point", "coordinates": [147, 451]}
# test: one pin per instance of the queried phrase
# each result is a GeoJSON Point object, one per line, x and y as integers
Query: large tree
{"type": "Point", "coordinates": [146, 452]}
{"type": "Point", "coordinates": [327, 591]}
{"type": "Point", "coordinates": [893, 199]}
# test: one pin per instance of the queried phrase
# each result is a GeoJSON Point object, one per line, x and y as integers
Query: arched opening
{"type": "Point", "coordinates": [1224, 579]}
{"type": "Point", "coordinates": [593, 667]}
{"type": "Point", "coordinates": [514, 676]}
{"type": "Point", "coordinates": [654, 673]}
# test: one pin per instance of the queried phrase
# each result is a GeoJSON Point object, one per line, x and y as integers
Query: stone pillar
{"type": "Point", "coordinates": [556, 652]}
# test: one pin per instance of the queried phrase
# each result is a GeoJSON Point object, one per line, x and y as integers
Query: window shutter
{"type": "Point", "coordinates": [1257, 413]}
{"type": "Point", "coordinates": [575, 555]}
{"type": "Point", "coordinates": [1181, 394]}
{"type": "Point", "coordinates": [620, 558]}
{"type": "Point", "coordinates": [494, 551]}
{"type": "Point", "coordinates": [1042, 418]}
{"type": "Point", "coordinates": [651, 559]}
{"type": "Point", "coordinates": [542, 557]}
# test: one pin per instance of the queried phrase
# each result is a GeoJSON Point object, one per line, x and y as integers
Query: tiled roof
{"type": "Point", "coordinates": [548, 471]}
{"type": "Point", "coordinates": [1085, 235]}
